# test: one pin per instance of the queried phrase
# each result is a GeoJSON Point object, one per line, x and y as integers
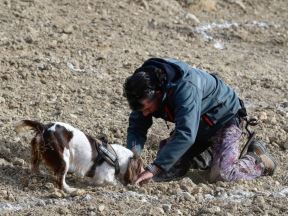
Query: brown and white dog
{"type": "Point", "coordinates": [65, 148]}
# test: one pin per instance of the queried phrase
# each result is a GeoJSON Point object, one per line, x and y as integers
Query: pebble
{"type": "Point", "coordinates": [4, 193]}
{"type": "Point", "coordinates": [101, 208]}
{"type": "Point", "coordinates": [91, 208]}
{"type": "Point", "coordinates": [19, 162]}
{"type": "Point", "coordinates": [41, 203]}
{"type": "Point", "coordinates": [157, 211]}
{"type": "Point", "coordinates": [187, 196]}
{"type": "Point", "coordinates": [213, 209]}
{"type": "Point", "coordinates": [42, 66]}
{"type": "Point", "coordinates": [11, 197]}
{"type": "Point", "coordinates": [4, 150]}
{"type": "Point", "coordinates": [145, 4]}
{"type": "Point", "coordinates": [208, 5]}
{"type": "Point", "coordinates": [192, 17]}
{"type": "Point", "coordinates": [285, 145]}
{"type": "Point", "coordinates": [49, 185]}
{"type": "Point", "coordinates": [3, 162]}
{"type": "Point", "coordinates": [68, 29]}
{"type": "Point", "coordinates": [187, 184]}
{"type": "Point", "coordinates": [63, 210]}
{"type": "Point", "coordinates": [166, 207]}
{"type": "Point", "coordinates": [176, 191]}
{"type": "Point", "coordinates": [87, 197]}
{"type": "Point", "coordinates": [260, 200]}
{"type": "Point", "coordinates": [263, 116]}
{"type": "Point", "coordinates": [78, 192]}
{"type": "Point", "coordinates": [2, 100]}
{"type": "Point", "coordinates": [56, 194]}
{"type": "Point", "coordinates": [28, 39]}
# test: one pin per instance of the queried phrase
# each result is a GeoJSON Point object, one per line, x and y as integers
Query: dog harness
{"type": "Point", "coordinates": [104, 154]}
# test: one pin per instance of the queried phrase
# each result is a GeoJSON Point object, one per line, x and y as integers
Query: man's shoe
{"type": "Point", "coordinates": [259, 151]}
{"type": "Point", "coordinates": [257, 147]}
{"type": "Point", "coordinates": [269, 164]}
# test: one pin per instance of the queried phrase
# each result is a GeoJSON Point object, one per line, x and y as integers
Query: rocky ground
{"type": "Point", "coordinates": [67, 61]}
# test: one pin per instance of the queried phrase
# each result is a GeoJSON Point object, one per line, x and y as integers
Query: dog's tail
{"type": "Point", "coordinates": [25, 125]}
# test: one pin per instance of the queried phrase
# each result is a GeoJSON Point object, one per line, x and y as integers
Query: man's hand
{"type": "Point", "coordinates": [144, 177]}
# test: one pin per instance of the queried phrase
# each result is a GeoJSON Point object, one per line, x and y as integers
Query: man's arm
{"type": "Point", "coordinates": [137, 131]}
{"type": "Point", "coordinates": [187, 101]}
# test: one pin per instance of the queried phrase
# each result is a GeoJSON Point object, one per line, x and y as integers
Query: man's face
{"type": "Point", "coordinates": [150, 105]}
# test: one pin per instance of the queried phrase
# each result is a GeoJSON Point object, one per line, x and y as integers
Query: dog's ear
{"type": "Point", "coordinates": [134, 168]}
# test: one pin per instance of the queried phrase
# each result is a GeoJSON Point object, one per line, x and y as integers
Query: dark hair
{"type": "Point", "coordinates": [137, 87]}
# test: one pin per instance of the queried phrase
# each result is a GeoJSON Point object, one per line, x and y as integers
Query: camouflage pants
{"type": "Point", "coordinates": [226, 165]}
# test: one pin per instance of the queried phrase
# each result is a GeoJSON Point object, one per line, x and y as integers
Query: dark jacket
{"type": "Point", "coordinates": [192, 95]}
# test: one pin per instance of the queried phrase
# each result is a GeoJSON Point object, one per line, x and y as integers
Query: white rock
{"type": "Point", "coordinates": [192, 17]}
{"type": "Point", "coordinates": [3, 162]}
{"type": "Point", "coordinates": [263, 116]}
{"type": "Point", "coordinates": [101, 208]}
{"type": "Point", "coordinates": [219, 45]}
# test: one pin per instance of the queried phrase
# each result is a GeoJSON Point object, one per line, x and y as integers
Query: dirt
{"type": "Point", "coordinates": [67, 61]}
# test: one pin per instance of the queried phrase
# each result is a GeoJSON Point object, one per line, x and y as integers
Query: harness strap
{"type": "Point", "coordinates": [104, 155]}
{"type": "Point", "coordinates": [109, 157]}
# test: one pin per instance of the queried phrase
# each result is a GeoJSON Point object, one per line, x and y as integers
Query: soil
{"type": "Point", "coordinates": [67, 61]}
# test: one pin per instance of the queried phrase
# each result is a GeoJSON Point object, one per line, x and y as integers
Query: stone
{"type": "Point", "coordinates": [68, 29]}
{"type": "Point", "coordinates": [41, 203]}
{"type": "Point", "coordinates": [187, 196]}
{"type": "Point", "coordinates": [91, 208]}
{"type": "Point", "coordinates": [49, 185]}
{"type": "Point", "coordinates": [191, 17]}
{"type": "Point", "coordinates": [4, 150]}
{"type": "Point", "coordinates": [208, 5]}
{"type": "Point", "coordinates": [3, 193]}
{"type": "Point", "coordinates": [263, 116]}
{"type": "Point", "coordinates": [42, 66]}
{"type": "Point", "coordinates": [260, 200]}
{"type": "Point", "coordinates": [166, 207]}
{"type": "Point", "coordinates": [213, 209]}
{"type": "Point", "coordinates": [285, 145]}
{"type": "Point", "coordinates": [63, 211]}
{"type": "Point", "coordinates": [56, 194]}
{"type": "Point", "coordinates": [3, 162]}
{"type": "Point", "coordinates": [19, 162]}
{"type": "Point", "coordinates": [157, 211]}
{"type": "Point", "coordinates": [101, 208]}
{"type": "Point", "coordinates": [87, 197]}
{"type": "Point", "coordinates": [11, 197]}
{"type": "Point", "coordinates": [144, 4]}
{"type": "Point", "coordinates": [186, 182]}
{"type": "Point", "coordinates": [78, 192]}
{"type": "Point", "coordinates": [28, 39]}
{"type": "Point", "coordinates": [2, 100]}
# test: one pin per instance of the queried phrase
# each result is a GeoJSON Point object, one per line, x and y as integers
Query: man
{"type": "Point", "coordinates": [205, 112]}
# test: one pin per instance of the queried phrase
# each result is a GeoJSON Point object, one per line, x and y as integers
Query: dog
{"type": "Point", "coordinates": [64, 148]}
